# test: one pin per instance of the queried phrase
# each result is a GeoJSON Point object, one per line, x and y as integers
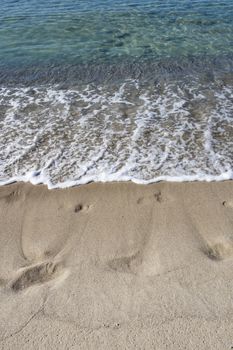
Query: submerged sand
{"type": "Point", "coordinates": [117, 266]}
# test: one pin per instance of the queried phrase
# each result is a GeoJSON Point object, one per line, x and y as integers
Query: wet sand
{"type": "Point", "coordinates": [117, 266]}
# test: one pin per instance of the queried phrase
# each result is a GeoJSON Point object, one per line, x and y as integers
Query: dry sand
{"type": "Point", "coordinates": [117, 266]}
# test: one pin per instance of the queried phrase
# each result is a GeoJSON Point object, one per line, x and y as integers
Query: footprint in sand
{"type": "Point", "coordinates": [140, 200]}
{"type": "Point", "coordinates": [158, 196]}
{"type": "Point", "coordinates": [140, 264]}
{"type": "Point", "coordinates": [228, 204]}
{"type": "Point", "coordinates": [76, 208]}
{"type": "Point", "coordinates": [220, 250]}
{"type": "Point", "coordinates": [12, 196]}
{"type": "Point", "coordinates": [126, 264]}
{"type": "Point", "coordinates": [36, 274]}
{"type": "Point", "coordinates": [148, 200]}
{"type": "Point", "coordinates": [81, 208]}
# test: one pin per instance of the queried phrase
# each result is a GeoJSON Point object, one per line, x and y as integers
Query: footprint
{"type": "Point", "coordinates": [115, 325]}
{"type": "Point", "coordinates": [80, 207]}
{"type": "Point", "coordinates": [148, 200]}
{"type": "Point", "coordinates": [140, 200]}
{"type": "Point", "coordinates": [219, 251]}
{"type": "Point", "coordinates": [125, 264]}
{"type": "Point", "coordinates": [228, 204]}
{"type": "Point", "coordinates": [158, 196]}
{"type": "Point", "coordinates": [37, 274]}
{"type": "Point", "coordinates": [12, 196]}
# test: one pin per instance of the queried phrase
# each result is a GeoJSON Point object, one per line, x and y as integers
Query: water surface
{"type": "Point", "coordinates": [116, 90]}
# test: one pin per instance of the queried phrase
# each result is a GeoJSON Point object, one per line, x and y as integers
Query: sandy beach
{"type": "Point", "coordinates": [117, 266]}
{"type": "Point", "coordinates": [116, 175]}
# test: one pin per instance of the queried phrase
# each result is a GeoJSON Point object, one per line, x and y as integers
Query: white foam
{"type": "Point", "coordinates": [127, 132]}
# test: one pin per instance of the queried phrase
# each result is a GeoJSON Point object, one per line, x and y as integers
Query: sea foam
{"type": "Point", "coordinates": [173, 131]}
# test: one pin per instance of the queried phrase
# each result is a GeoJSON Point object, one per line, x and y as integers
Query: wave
{"type": "Point", "coordinates": [131, 131]}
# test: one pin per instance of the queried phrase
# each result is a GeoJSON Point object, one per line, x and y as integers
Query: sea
{"type": "Point", "coordinates": [116, 90]}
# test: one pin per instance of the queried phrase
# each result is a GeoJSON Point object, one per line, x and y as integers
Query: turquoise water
{"type": "Point", "coordinates": [76, 32]}
{"type": "Point", "coordinates": [95, 90]}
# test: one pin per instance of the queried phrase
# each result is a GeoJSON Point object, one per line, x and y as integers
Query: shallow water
{"type": "Point", "coordinates": [55, 31]}
{"type": "Point", "coordinates": [116, 90]}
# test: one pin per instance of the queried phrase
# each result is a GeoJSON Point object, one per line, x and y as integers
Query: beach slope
{"type": "Point", "coordinates": [117, 266]}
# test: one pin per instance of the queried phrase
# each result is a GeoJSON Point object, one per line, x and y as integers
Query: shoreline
{"type": "Point", "coordinates": [35, 179]}
{"type": "Point", "coordinates": [116, 266]}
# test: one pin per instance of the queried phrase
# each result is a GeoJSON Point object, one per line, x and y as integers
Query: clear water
{"type": "Point", "coordinates": [115, 90]}
{"type": "Point", "coordinates": [37, 32]}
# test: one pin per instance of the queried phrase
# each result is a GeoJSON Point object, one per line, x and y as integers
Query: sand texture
{"type": "Point", "coordinates": [117, 266]}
